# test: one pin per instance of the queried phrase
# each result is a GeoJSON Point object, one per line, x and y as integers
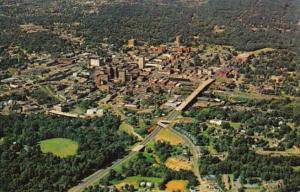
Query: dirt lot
{"type": "Point", "coordinates": [176, 185]}
{"type": "Point", "coordinates": [168, 136]}
{"type": "Point", "coordinates": [178, 163]}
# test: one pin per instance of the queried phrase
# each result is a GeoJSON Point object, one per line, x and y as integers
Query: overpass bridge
{"type": "Point", "coordinates": [92, 179]}
{"type": "Point", "coordinates": [66, 114]}
{"type": "Point", "coordinates": [194, 94]}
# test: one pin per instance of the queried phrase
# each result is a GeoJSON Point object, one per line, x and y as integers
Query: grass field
{"type": "Point", "coordinates": [168, 136]}
{"type": "Point", "coordinates": [126, 127]}
{"type": "Point", "coordinates": [135, 181]}
{"type": "Point", "coordinates": [257, 189]}
{"type": "Point", "coordinates": [61, 147]}
{"type": "Point", "coordinates": [177, 185]}
{"type": "Point", "coordinates": [235, 125]}
{"type": "Point", "coordinates": [296, 168]}
{"type": "Point", "coordinates": [129, 130]}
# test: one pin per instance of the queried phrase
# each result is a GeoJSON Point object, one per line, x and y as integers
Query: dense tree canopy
{"type": "Point", "coordinates": [24, 167]}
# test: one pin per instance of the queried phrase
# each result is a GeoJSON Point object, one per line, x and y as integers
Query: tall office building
{"type": "Point", "coordinates": [116, 73]}
{"type": "Point", "coordinates": [178, 41]}
{"type": "Point", "coordinates": [131, 42]}
{"type": "Point", "coordinates": [110, 72]}
{"type": "Point", "coordinates": [141, 62]}
{"type": "Point", "coordinates": [95, 62]}
{"type": "Point", "coordinates": [122, 75]}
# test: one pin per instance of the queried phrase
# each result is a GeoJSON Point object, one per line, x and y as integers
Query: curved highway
{"type": "Point", "coordinates": [95, 177]}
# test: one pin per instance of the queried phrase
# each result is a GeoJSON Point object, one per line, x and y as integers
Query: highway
{"type": "Point", "coordinates": [95, 177]}
{"type": "Point", "coordinates": [193, 150]}
{"type": "Point", "coordinates": [194, 94]}
{"type": "Point", "coordinates": [92, 179]}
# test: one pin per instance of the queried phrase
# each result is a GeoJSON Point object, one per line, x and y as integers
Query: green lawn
{"type": "Point", "coordinates": [126, 127]}
{"type": "Point", "coordinates": [235, 125]}
{"type": "Point", "coordinates": [212, 150]}
{"type": "Point", "coordinates": [61, 147]}
{"type": "Point", "coordinates": [296, 168]}
{"type": "Point", "coordinates": [137, 179]}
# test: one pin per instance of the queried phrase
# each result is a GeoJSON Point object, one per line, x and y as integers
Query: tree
{"type": "Point", "coordinates": [296, 114]}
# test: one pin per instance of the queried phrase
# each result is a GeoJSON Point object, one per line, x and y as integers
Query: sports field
{"type": "Point", "coordinates": [61, 147]}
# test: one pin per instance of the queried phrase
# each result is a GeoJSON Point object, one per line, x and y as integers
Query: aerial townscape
{"type": "Point", "coordinates": [150, 95]}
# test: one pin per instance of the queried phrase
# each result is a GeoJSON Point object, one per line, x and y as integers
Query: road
{"type": "Point", "coordinates": [95, 177]}
{"type": "Point", "coordinates": [92, 179]}
{"type": "Point", "coordinates": [194, 150]}
{"type": "Point", "coordinates": [195, 94]}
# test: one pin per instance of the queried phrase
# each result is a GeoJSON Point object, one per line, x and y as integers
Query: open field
{"type": "Point", "coordinates": [168, 136]}
{"type": "Point", "coordinates": [235, 125]}
{"type": "Point", "coordinates": [258, 189]}
{"type": "Point", "coordinates": [135, 181]}
{"type": "Point", "coordinates": [126, 127]}
{"type": "Point", "coordinates": [61, 147]}
{"type": "Point", "coordinates": [177, 185]}
{"type": "Point", "coordinates": [129, 129]}
{"type": "Point", "coordinates": [296, 168]}
{"type": "Point", "coordinates": [178, 164]}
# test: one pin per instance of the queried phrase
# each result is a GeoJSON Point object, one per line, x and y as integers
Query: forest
{"type": "Point", "coordinates": [141, 166]}
{"type": "Point", "coordinates": [258, 123]}
{"type": "Point", "coordinates": [247, 165]}
{"type": "Point", "coordinates": [25, 168]}
{"type": "Point", "coordinates": [248, 24]}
